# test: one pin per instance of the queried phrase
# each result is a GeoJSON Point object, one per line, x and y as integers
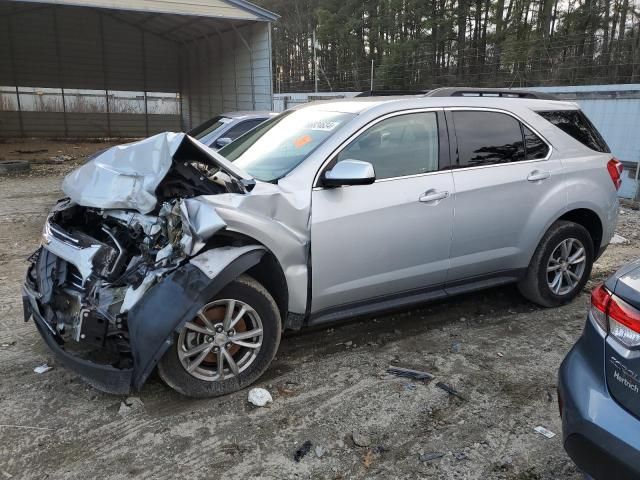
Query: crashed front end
{"type": "Point", "coordinates": [116, 275]}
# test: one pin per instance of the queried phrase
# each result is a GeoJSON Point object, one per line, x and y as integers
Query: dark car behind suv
{"type": "Point", "coordinates": [599, 383]}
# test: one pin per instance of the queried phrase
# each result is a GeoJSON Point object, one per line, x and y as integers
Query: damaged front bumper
{"type": "Point", "coordinates": [103, 377]}
{"type": "Point", "coordinates": [150, 324]}
{"type": "Point", "coordinates": [108, 306]}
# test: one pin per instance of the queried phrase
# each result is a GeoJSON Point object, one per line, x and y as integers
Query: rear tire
{"type": "Point", "coordinates": [210, 345]}
{"type": "Point", "coordinates": [558, 270]}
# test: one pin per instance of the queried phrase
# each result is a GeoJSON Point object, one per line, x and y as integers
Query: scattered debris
{"type": "Point", "coordinates": [378, 449]}
{"type": "Point", "coordinates": [428, 457]}
{"type": "Point", "coordinates": [285, 392]}
{"type": "Point", "coordinates": [302, 451]}
{"type": "Point", "coordinates": [130, 405]}
{"type": "Point", "coordinates": [409, 373]}
{"type": "Point", "coordinates": [259, 397]}
{"type": "Point", "coordinates": [319, 451]}
{"type": "Point", "coordinates": [367, 458]}
{"type": "Point", "coordinates": [44, 368]}
{"type": "Point", "coordinates": [41, 150]}
{"type": "Point", "coordinates": [456, 346]}
{"type": "Point", "coordinates": [545, 432]}
{"type": "Point", "coordinates": [14, 166]}
{"type": "Point", "coordinates": [410, 387]}
{"type": "Point", "coordinates": [450, 390]}
{"type": "Point", "coordinates": [124, 409]}
{"type": "Point", "coordinates": [8, 344]}
{"type": "Point", "coordinates": [360, 439]}
{"type": "Point", "coordinates": [60, 158]}
{"type": "Point", "coordinates": [500, 354]}
{"type": "Point", "coordinates": [618, 240]}
{"type": "Point", "coordinates": [460, 455]}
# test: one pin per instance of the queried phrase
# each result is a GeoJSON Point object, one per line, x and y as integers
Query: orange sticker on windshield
{"type": "Point", "coordinates": [302, 141]}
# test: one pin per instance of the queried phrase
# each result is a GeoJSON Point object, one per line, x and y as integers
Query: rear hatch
{"type": "Point", "coordinates": [623, 342]}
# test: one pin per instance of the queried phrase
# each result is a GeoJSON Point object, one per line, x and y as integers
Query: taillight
{"type": "Point", "coordinates": [615, 316]}
{"type": "Point", "coordinates": [600, 298]}
{"type": "Point", "coordinates": [615, 167]}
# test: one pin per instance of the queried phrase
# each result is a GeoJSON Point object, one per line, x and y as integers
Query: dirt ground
{"type": "Point", "coordinates": [501, 353]}
{"type": "Point", "coordinates": [52, 157]}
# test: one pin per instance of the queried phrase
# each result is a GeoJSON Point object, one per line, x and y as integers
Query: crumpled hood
{"type": "Point", "coordinates": [127, 176]}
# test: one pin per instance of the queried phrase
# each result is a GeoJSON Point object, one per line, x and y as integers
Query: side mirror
{"type": "Point", "coordinates": [349, 172]}
{"type": "Point", "coordinates": [223, 142]}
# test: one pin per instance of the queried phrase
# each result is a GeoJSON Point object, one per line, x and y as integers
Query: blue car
{"type": "Point", "coordinates": [599, 383]}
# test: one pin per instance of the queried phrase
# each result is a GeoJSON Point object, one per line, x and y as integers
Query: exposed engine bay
{"type": "Point", "coordinates": [97, 264]}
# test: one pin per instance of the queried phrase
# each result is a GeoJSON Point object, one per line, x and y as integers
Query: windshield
{"type": "Point", "coordinates": [274, 148]}
{"type": "Point", "coordinates": [207, 127]}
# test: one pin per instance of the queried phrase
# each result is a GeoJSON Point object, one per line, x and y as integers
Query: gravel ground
{"type": "Point", "coordinates": [329, 387]}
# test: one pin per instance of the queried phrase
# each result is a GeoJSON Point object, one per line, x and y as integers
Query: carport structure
{"type": "Point", "coordinates": [89, 68]}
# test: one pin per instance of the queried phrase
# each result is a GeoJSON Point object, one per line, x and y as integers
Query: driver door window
{"type": "Point", "coordinates": [398, 146]}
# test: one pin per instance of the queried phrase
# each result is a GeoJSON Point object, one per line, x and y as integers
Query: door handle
{"type": "Point", "coordinates": [538, 175]}
{"type": "Point", "coordinates": [433, 196]}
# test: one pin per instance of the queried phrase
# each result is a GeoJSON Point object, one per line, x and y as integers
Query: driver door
{"type": "Point", "coordinates": [392, 237]}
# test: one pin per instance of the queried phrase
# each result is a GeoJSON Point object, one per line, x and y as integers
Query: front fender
{"type": "Point", "coordinates": [168, 305]}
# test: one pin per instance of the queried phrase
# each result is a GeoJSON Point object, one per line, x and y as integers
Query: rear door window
{"type": "Point", "coordinates": [576, 124]}
{"type": "Point", "coordinates": [534, 146]}
{"type": "Point", "coordinates": [490, 138]}
{"type": "Point", "coordinates": [487, 138]}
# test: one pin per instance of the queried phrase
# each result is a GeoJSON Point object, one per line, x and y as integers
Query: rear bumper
{"type": "Point", "coordinates": [600, 436]}
{"type": "Point", "coordinates": [103, 377]}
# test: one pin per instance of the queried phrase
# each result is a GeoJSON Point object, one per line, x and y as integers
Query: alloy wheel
{"type": "Point", "coordinates": [566, 266]}
{"type": "Point", "coordinates": [222, 341]}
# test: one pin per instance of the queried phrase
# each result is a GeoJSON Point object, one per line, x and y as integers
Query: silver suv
{"type": "Point", "coordinates": [167, 254]}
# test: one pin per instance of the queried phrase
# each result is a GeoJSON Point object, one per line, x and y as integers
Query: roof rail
{"type": "Point", "coordinates": [488, 92]}
{"type": "Point", "coordinates": [389, 93]}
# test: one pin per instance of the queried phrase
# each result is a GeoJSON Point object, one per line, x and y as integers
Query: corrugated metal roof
{"type": "Point", "coordinates": [228, 9]}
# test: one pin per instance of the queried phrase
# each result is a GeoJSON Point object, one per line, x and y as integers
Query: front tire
{"type": "Point", "coordinates": [560, 267]}
{"type": "Point", "coordinates": [229, 344]}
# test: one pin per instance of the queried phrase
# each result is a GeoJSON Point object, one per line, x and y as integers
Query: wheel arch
{"type": "Point", "coordinates": [269, 273]}
{"type": "Point", "coordinates": [588, 219]}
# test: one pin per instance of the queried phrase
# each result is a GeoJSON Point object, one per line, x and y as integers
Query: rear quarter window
{"type": "Point", "coordinates": [576, 124]}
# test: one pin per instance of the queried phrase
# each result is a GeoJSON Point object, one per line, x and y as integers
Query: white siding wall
{"type": "Point", "coordinates": [220, 74]}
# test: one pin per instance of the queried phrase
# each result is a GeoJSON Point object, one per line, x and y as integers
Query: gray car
{"type": "Point", "coordinates": [599, 382]}
{"type": "Point", "coordinates": [168, 254]}
{"type": "Point", "coordinates": [221, 130]}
